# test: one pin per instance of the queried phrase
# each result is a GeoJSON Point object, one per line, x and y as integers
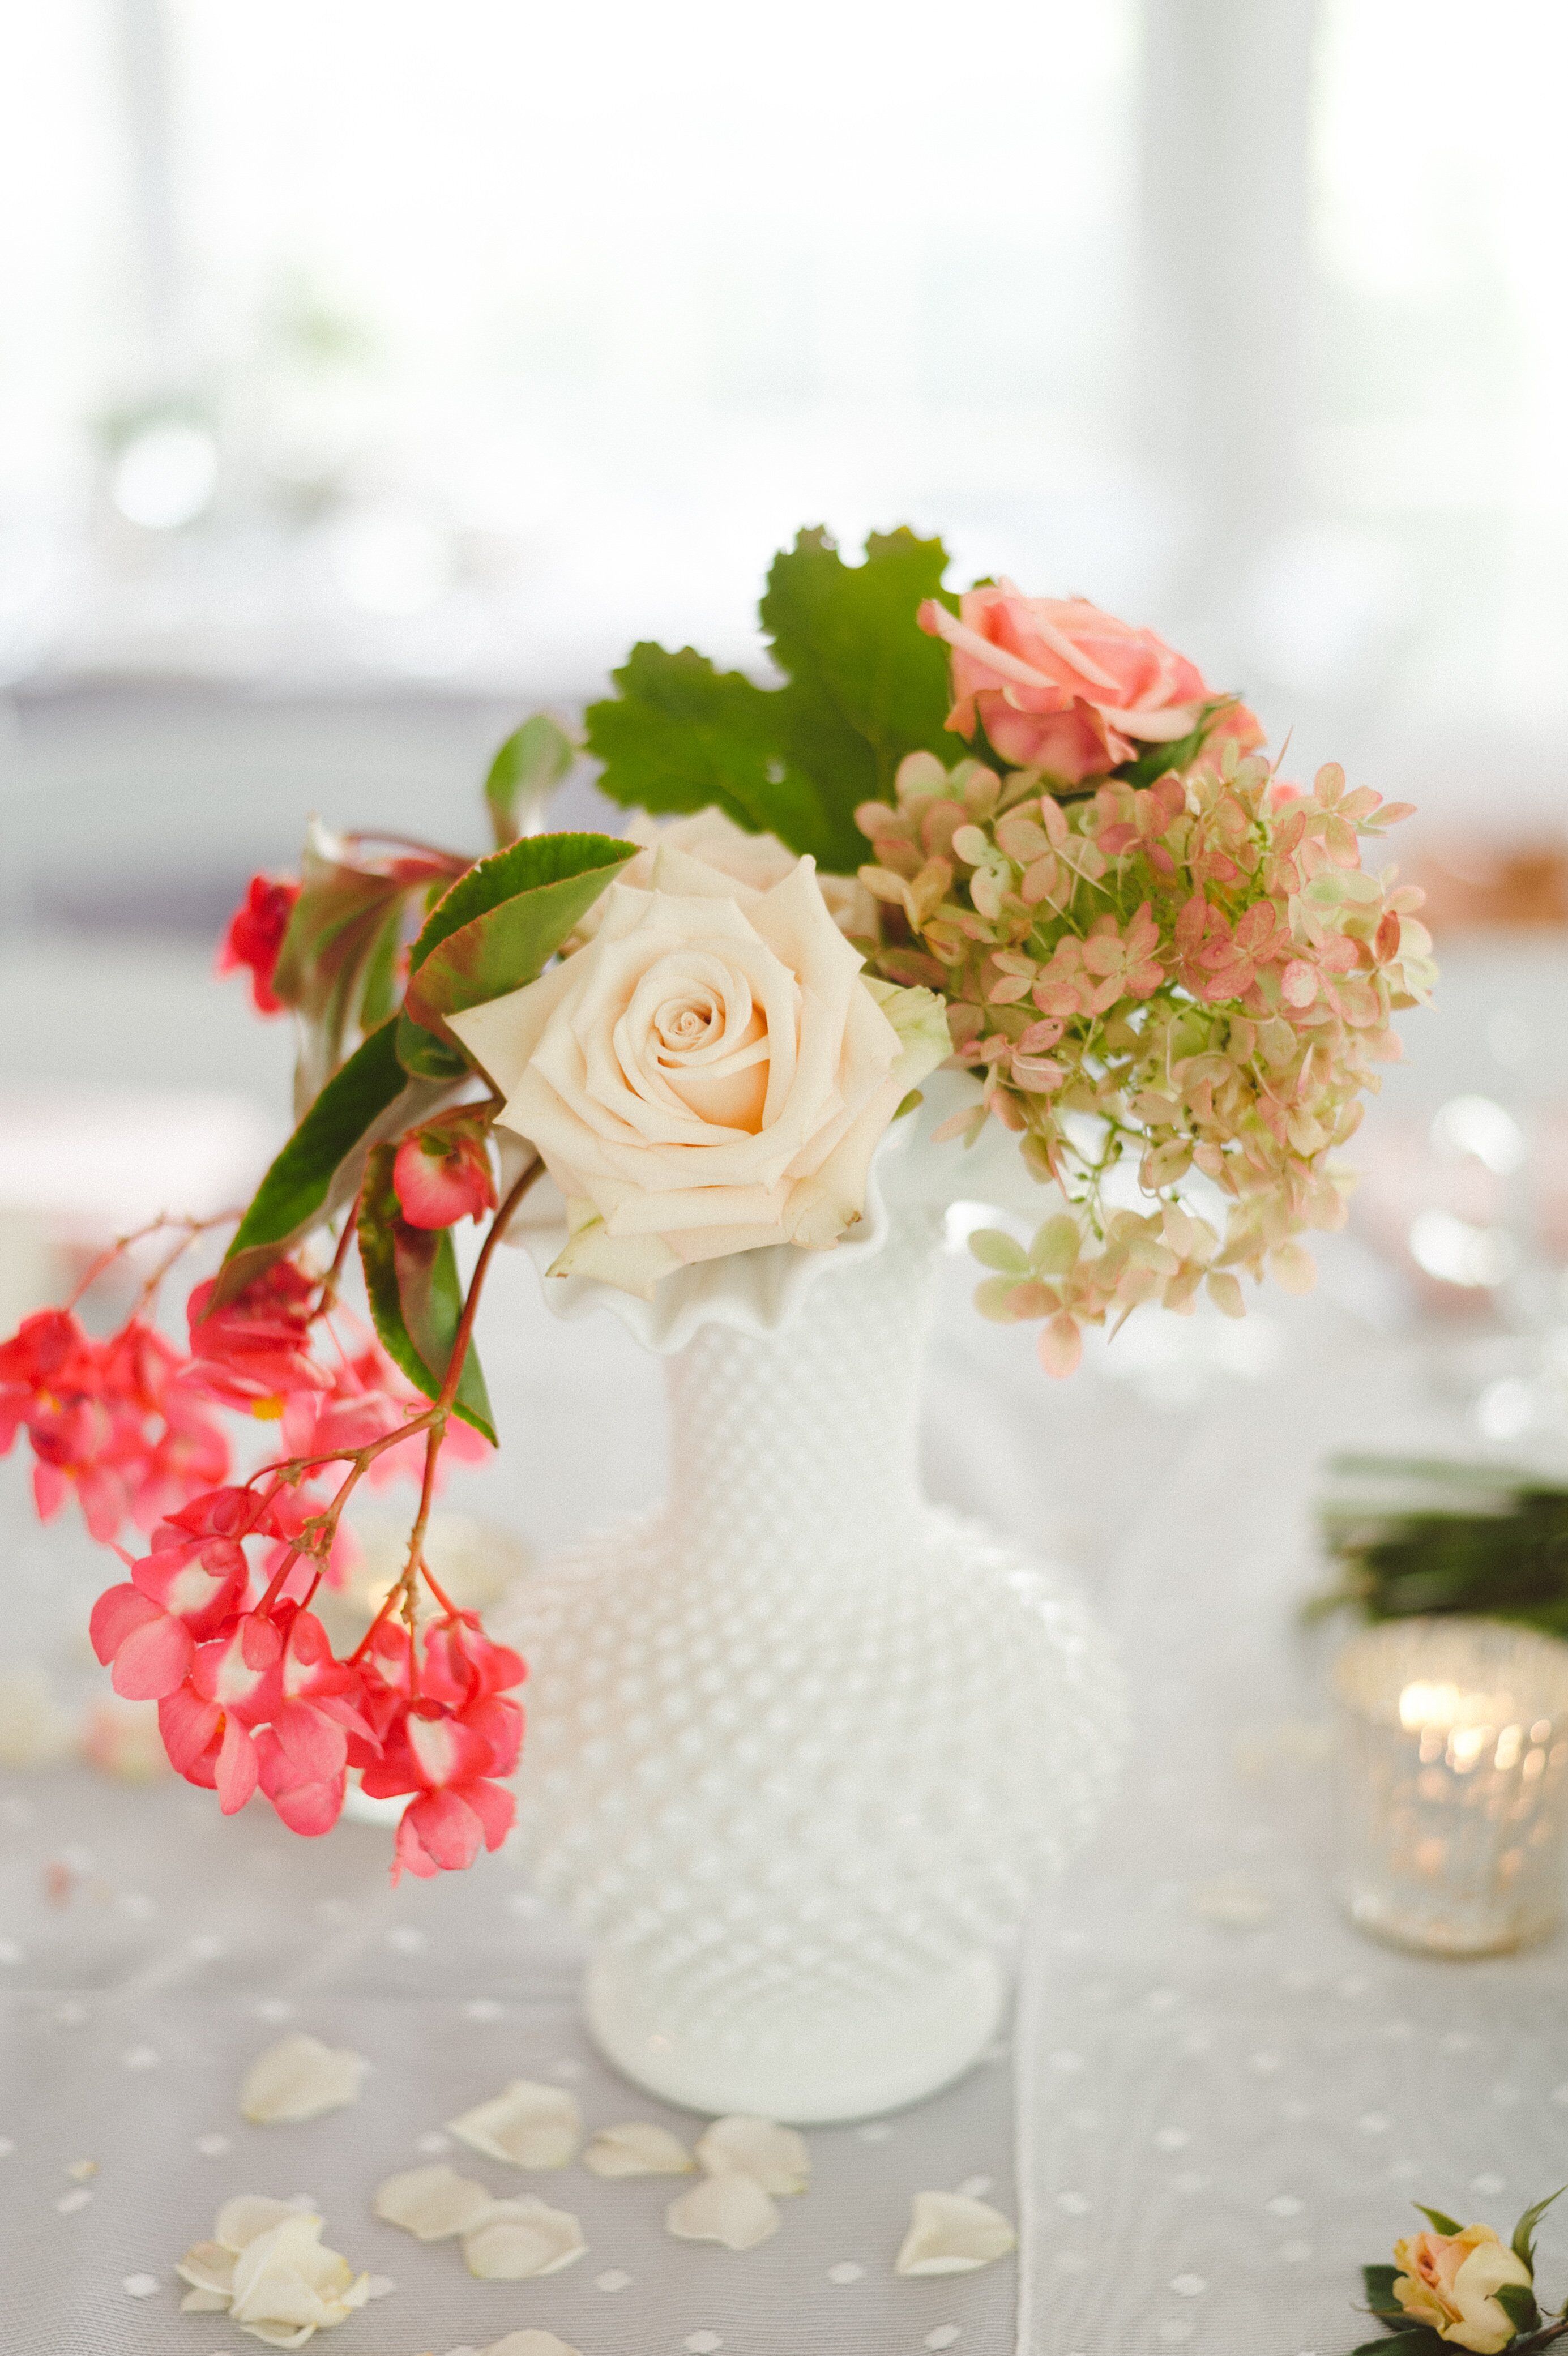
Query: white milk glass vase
{"type": "Point", "coordinates": [802, 1746]}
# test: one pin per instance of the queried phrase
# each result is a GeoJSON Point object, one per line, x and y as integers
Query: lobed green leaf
{"type": "Point", "coordinates": [867, 684]}
{"type": "Point", "coordinates": [681, 736]}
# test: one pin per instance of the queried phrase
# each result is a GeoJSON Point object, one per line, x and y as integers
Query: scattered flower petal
{"type": "Point", "coordinates": [284, 2282]}
{"type": "Point", "coordinates": [380, 2286]}
{"type": "Point", "coordinates": [638, 2149]}
{"type": "Point", "coordinates": [205, 2302]}
{"type": "Point", "coordinates": [300, 2077]}
{"type": "Point", "coordinates": [240, 2221]}
{"type": "Point", "coordinates": [139, 2286]}
{"type": "Point", "coordinates": [529, 2125]}
{"type": "Point", "coordinates": [774, 2157]}
{"type": "Point", "coordinates": [529, 2343]}
{"type": "Point", "coordinates": [950, 2235]}
{"type": "Point", "coordinates": [613, 2280]}
{"type": "Point", "coordinates": [209, 2266]}
{"type": "Point", "coordinates": [521, 2238]}
{"type": "Point", "coordinates": [846, 2271]}
{"type": "Point", "coordinates": [432, 2203]}
{"type": "Point", "coordinates": [731, 2208]}
{"type": "Point", "coordinates": [69, 2202]}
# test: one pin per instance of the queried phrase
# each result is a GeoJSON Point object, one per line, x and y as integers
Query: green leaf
{"type": "Point", "coordinates": [1517, 2303]}
{"type": "Point", "coordinates": [681, 736]}
{"type": "Point", "coordinates": [1441, 2223]}
{"type": "Point", "coordinates": [421, 1053]}
{"type": "Point", "coordinates": [1379, 2282]}
{"type": "Point", "coordinates": [501, 922]}
{"type": "Point", "coordinates": [319, 1168]}
{"type": "Point", "coordinates": [338, 961]}
{"type": "Point", "coordinates": [1417, 2339]}
{"type": "Point", "coordinates": [416, 1295]}
{"type": "Point", "coordinates": [867, 685]}
{"type": "Point", "coordinates": [864, 685]}
{"type": "Point", "coordinates": [1524, 2232]}
{"type": "Point", "coordinates": [529, 765]}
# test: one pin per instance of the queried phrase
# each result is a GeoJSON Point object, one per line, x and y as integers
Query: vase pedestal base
{"type": "Point", "coordinates": [832, 2063]}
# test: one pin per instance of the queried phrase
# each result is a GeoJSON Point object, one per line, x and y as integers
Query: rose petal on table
{"type": "Point", "coordinates": [240, 2221]}
{"type": "Point", "coordinates": [284, 2281]}
{"type": "Point", "coordinates": [300, 2077]}
{"type": "Point", "coordinates": [638, 2148]}
{"type": "Point", "coordinates": [774, 2157]}
{"type": "Point", "coordinates": [731, 2208]}
{"type": "Point", "coordinates": [951, 2234]}
{"type": "Point", "coordinates": [205, 2302]}
{"type": "Point", "coordinates": [529, 2125]}
{"type": "Point", "coordinates": [532, 2342]}
{"type": "Point", "coordinates": [209, 2266]}
{"type": "Point", "coordinates": [432, 2203]}
{"type": "Point", "coordinates": [522, 2238]}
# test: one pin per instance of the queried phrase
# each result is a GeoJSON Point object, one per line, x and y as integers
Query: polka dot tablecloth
{"type": "Point", "coordinates": [152, 1952]}
{"type": "Point", "coordinates": [1225, 2101]}
{"type": "Point", "coordinates": [1228, 2099]}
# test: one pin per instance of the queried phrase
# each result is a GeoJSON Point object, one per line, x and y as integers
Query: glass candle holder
{"type": "Point", "coordinates": [1454, 1782]}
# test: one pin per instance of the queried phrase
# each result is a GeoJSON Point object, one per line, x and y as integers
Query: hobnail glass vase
{"type": "Point", "coordinates": [802, 1746]}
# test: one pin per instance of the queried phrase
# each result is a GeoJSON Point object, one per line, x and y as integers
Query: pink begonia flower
{"type": "Point", "coordinates": [255, 936]}
{"type": "Point", "coordinates": [448, 1760]}
{"type": "Point", "coordinates": [255, 1351]}
{"type": "Point", "coordinates": [442, 1173]}
{"type": "Point", "coordinates": [1059, 684]}
{"type": "Point", "coordinates": [109, 1421]}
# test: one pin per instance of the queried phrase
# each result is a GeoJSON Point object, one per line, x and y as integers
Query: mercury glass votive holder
{"type": "Point", "coordinates": [1454, 1782]}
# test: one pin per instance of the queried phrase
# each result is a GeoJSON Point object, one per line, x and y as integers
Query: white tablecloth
{"type": "Point", "coordinates": [1217, 2124]}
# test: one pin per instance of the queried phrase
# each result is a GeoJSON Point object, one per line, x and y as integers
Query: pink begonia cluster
{"type": "Point", "coordinates": [1195, 975]}
{"type": "Point", "coordinates": [213, 1622]}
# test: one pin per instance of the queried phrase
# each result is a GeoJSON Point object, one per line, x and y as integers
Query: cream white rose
{"type": "Point", "coordinates": [759, 860]}
{"type": "Point", "coordinates": [710, 1073]}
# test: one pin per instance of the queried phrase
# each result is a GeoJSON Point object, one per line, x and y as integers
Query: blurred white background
{"type": "Point", "coordinates": [358, 353]}
{"type": "Point", "coordinates": [369, 372]}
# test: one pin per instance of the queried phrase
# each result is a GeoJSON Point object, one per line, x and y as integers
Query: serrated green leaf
{"type": "Point", "coordinates": [864, 685]}
{"type": "Point", "coordinates": [529, 766]}
{"type": "Point", "coordinates": [1524, 2232]}
{"type": "Point", "coordinates": [416, 1295]}
{"type": "Point", "coordinates": [503, 920]}
{"type": "Point", "coordinates": [867, 684]}
{"type": "Point", "coordinates": [681, 736]}
{"type": "Point", "coordinates": [425, 1056]}
{"type": "Point", "coordinates": [369, 1099]}
{"type": "Point", "coordinates": [1441, 2223]}
{"type": "Point", "coordinates": [995, 1249]}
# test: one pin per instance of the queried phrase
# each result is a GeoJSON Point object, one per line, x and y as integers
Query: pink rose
{"type": "Point", "coordinates": [1059, 685]}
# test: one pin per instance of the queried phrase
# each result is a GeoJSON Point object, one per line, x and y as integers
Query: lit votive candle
{"type": "Point", "coordinates": [1454, 1782]}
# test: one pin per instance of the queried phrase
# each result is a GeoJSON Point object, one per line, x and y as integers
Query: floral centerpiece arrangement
{"type": "Point", "coordinates": [1002, 856]}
